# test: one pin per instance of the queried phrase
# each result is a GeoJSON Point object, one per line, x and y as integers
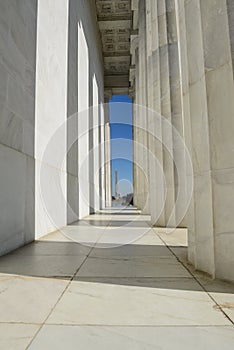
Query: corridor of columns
{"type": "Point", "coordinates": [77, 269]}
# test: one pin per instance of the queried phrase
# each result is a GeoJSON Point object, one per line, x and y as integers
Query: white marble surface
{"type": "Point", "coordinates": [51, 101]}
{"type": "Point", "coordinates": [28, 300]}
{"type": "Point", "coordinates": [133, 267]}
{"type": "Point", "coordinates": [142, 302]}
{"type": "Point", "coordinates": [134, 338]}
{"type": "Point", "coordinates": [16, 336]}
{"type": "Point", "coordinates": [137, 296]}
{"type": "Point", "coordinates": [17, 118]}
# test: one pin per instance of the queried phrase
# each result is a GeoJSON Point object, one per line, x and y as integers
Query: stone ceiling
{"type": "Point", "coordinates": [115, 23]}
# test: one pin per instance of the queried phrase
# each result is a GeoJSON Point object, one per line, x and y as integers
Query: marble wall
{"type": "Point", "coordinates": [90, 94]}
{"type": "Point", "coordinates": [77, 65]}
{"type": "Point", "coordinates": [50, 115]}
{"type": "Point", "coordinates": [18, 28]}
{"type": "Point", "coordinates": [40, 79]}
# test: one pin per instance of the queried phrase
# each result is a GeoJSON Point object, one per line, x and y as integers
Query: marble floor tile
{"type": "Point", "coordinates": [181, 253]}
{"type": "Point", "coordinates": [56, 236]}
{"type": "Point", "coordinates": [51, 248]}
{"type": "Point", "coordinates": [41, 265]}
{"type": "Point", "coordinates": [16, 336]}
{"type": "Point", "coordinates": [222, 292]}
{"type": "Point", "coordinates": [111, 302]}
{"type": "Point", "coordinates": [138, 295]}
{"type": "Point", "coordinates": [133, 267]}
{"type": "Point", "coordinates": [133, 338]}
{"type": "Point", "coordinates": [118, 236]}
{"type": "Point", "coordinates": [149, 239]}
{"type": "Point", "coordinates": [178, 237]}
{"type": "Point", "coordinates": [87, 236]}
{"type": "Point", "coordinates": [133, 250]}
{"type": "Point", "coordinates": [27, 299]}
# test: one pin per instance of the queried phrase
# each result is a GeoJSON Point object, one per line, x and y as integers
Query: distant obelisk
{"type": "Point", "coordinates": [116, 185]}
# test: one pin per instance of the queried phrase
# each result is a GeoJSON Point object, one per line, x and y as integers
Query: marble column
{"type": "Point", "coordinates": [142, 114]}
{"type": "Point", "coordinates": [176, 111]}
{"type": "Point", "coordinates": [135, 168]}
{"type": "Point", "coordinates": [200, 215]}
{"type": "Point", "coordinates": [72, 116]}
{"type": "Point", "coordinates": [136, 174]}
{"type": "Point", "coordinates": [84, 119]}
{"type": "Point", "coordinates": [220, 106]}
{"type": "Point", "coordinates": [102, 156]}
{"type": "Point", "coordinates": [94, 150]}
{"type": "Point", "coordinates": [107, 155]}
{"type": "Point", "coordinates": [156, 176]}
{"type": "Point", "coordinates": [165, 105]}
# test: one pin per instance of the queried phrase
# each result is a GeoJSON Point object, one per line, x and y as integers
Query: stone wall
{"type": "Point", "coordinates": [82, 20]}
{"type": "Point", "coordinates": [51, 109]}
{"type": "Point", "coordinates": [69, 61]}
{"type": "Point", "coordinates": [39, 90]}
{"type": "Point", "coordinates": [18, 25]}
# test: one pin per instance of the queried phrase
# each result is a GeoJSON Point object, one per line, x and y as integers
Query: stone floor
{"type": "Point", "coordinates": [59, 294]}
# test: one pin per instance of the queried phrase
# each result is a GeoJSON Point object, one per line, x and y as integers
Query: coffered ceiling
{"type": "Point", "coordinates": [115, 24]}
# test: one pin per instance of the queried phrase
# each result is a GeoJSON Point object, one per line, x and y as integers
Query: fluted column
{"type": "Point", "coordinates": [220, 105]}
{"type": "Point", "coordinates": [176, 110]}
{"type": "Point", "coordinates": [165, 105]}
{"type": "Point", "coordinates": [102, 156]}
{"type": "Point", "coordinates": [135, 64]}
{"type": "Point", "coordinates": [107, 155]}
{"type": "Point", "coordinates": [156, 178]}
{"type": "Point", "coordinates": [135, 148]}
{"type": "Point", "coordinates": [142, 116]}
{"type": "Point", "coordinates": [194, 103]}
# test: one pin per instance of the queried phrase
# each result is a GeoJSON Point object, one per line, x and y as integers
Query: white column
{"type": "Point", "coordinates": [72, 115]}
{"type": "Point", "coordinates": [156, 176]}
{"type": "Point", "coordinates": [95, 149]}
{"type": "Point", "coordinates": [83, 123]}
{"type": "Point", "coordinates": [134, 156]}
{"type": "Point", "coordinates": [107, 156]}
{"type": "Point", "coordinates": [194, 103]}
{"type": "Point", "coordinates": [176, 108]}
{"type": "Point", "coordinates": [220, 103]}
{"type": "Point", "coordinates": [102, 157]}
{"type": "Point", "coordinates": [165, 97]}
{"type": "Point", "coordinates": [136, 175]}
{"type": "Point", "coordinates": [142, 114]}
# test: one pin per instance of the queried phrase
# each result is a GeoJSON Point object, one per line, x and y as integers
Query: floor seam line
{"type": "Point", "coordinates": [201, 285]}
{"type": "Point", "coordinates": [62, 294]}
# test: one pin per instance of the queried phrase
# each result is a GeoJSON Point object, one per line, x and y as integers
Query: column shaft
{"type": "Point", "coordinates": [165, 99]}
{"type": "Point", "coordinates": [107, 157]}
{"type": "Point", "coordinates": [156, 178]}
{"type": "Point", "coordinates": [176, 109]}
{"type": "Point", "coordinates": [142, 115]}
{"type": "Point", "coordinates": [220, 104]}
{"type": "Point", "coordinates": [200, 226]}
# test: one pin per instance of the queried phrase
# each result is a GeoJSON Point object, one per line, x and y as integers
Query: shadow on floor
{"type": "Point", "coordinates": [152, 266]}
{"type": "Point", "coordinates": [117, 223]}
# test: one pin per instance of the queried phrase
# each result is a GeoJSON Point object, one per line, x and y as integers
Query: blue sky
{"type": "Point", "coordinates": [121, 142]}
